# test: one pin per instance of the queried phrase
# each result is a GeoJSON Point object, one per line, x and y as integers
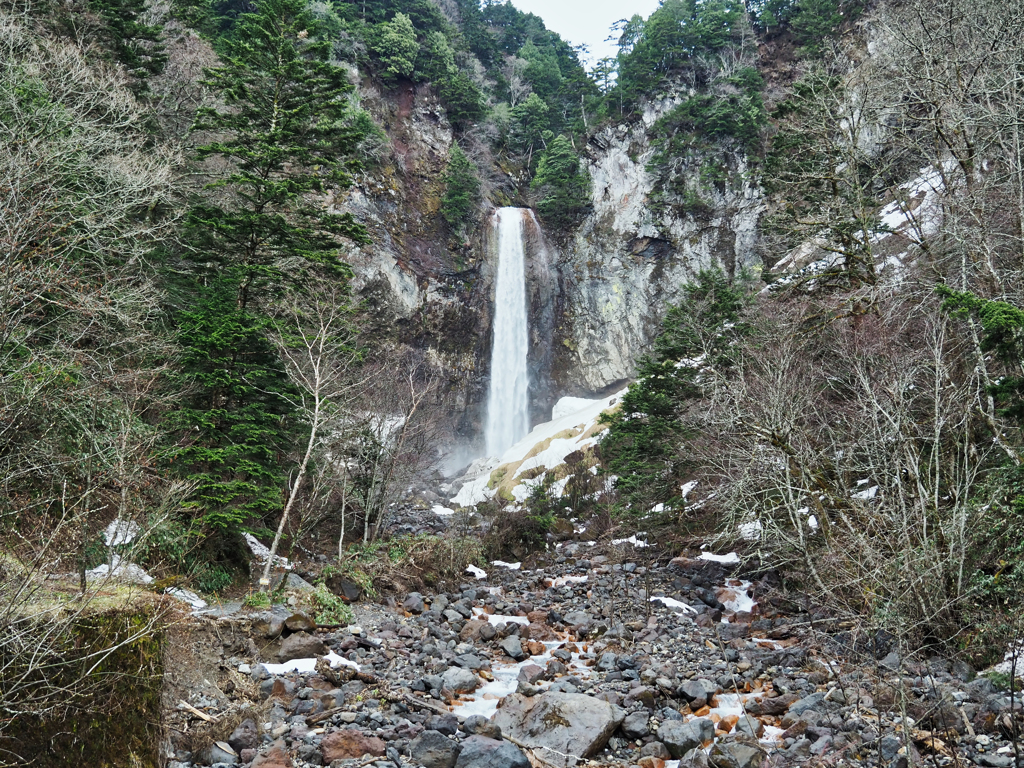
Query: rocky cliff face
{"type": "Point", "coordinates": [596, 297]}
{"type": "Point", "coordinates": [632, 256]}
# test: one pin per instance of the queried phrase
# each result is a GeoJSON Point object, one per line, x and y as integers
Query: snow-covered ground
{"type": "Point", "coordinates": [572, 428]}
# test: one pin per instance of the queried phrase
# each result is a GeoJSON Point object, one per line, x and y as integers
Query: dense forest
{"type": "Point", "coordinates": [181, 345]}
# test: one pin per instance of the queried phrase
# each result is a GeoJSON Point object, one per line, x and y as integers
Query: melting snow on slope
{"type": "Point", "coordinates": [503, 564]}
{"type": "Point", "coordinates": [569, 414]}
{"type": "Point", "coordinates": [437, 509]}
{"type": "Point", "coordinates": [479, 573]}
{"type": "Point", "coordinates": [122, 570]}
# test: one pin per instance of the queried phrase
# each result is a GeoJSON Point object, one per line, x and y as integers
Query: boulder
{"type": "Point", "coordinates": [301, 646]}
{"type": "Point", "coordinates": [559, 723]}
{"type": "Point", "coordinates": [472, 630]}
{"type": "Point", "coordinates": [432, 749]}
{"type": "Point", "coordinates": [245, 736]}
{"type": "Point", "coordinates": [480, 725]}
{"type": "Point", "coordinates": [460, 680]}
{"type": "Point", "coordinates": [513, 647]}
{"type": "Point", "coordinates": [736, 753]}
{"type": "Point", "coordinates": [482, 752]}
{"type": "Point", "coordinates": [300, 622]}
{"type": "Point", "coordinates": [221, 752]}
{"type": "Point", "coordinates": [413, 603]}
{"type": "Point", "coordinates": [275, 757]}
{"type": "Point", "coordinates": [350, 744]}
{"type": "Point", "coordinates": [681, 737]}
{"type": "Point", "coordinates": [635, 725]}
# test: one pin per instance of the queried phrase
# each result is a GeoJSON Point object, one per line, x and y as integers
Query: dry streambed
{"type": "Point", "coordinates": [585, 661]}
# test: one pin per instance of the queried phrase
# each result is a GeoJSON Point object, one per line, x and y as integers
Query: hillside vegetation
{"type": "Point", "coordinates": [180, 344]}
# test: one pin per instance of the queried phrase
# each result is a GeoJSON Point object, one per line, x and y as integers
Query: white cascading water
{"type": "Point", "coordinates": [508, 411]}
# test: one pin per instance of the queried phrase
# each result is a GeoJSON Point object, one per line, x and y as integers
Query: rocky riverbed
{"type": "Point", "coordinates": [598, 656]}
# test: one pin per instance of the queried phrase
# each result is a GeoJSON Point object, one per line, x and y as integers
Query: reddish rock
{"type": "Point", "coordinates": [531, 673]}
{"type": "Point", "coordinates": [348, 744]}
{"type": "Point", "coordinates": [538, 617]}
{"type": "Point", "coordinates": [275, 757]}
{"type": "Point", "coordinates": [540, 631]}
{"type": "Point", "coordinates": [651, 762]}
{"type": "Point", "coordinates": [535, 648]}
{"type": "Point", "coordinates": [471, 630]}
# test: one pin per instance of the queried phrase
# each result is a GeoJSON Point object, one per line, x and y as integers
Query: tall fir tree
{"type": "Point", "coordinates": [285, 135]}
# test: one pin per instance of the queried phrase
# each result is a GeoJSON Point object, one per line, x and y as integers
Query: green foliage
{"type": "Point", "coordinates": [213, 579]}
{"type": "Point", "coordinates": [670, 40]}
{"type": "Point", "coordinates": [397, 47]}
{"type": "Point", "coordinates": [813, 21]}
{"type": "Point", "coordinates": [328, 607]}
{"type": "Point", "coordinates": [736, 112]}
{"type": "Point", "coordinates": [642, 444]}
{"type": "Point", "coordinates": [134, 44]}
{"type": "Point", "coordinates": [234, 423]}
{"type": "Point", "coordinates": [286, 132]}
{"type": "Point", "coordinates": [1002, 327]}
{"type": "Point", "coordinates": [257, 600]}
{"type": "Point", "coordinates": [462, 190]}
{"type": "Point", "coordinates": [530, 120]}
{"type": "Point", "coordinates": [563, 188]}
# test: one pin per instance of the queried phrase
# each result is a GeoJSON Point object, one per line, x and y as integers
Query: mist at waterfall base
{"type": "Point", "coordinates": [508, 407]}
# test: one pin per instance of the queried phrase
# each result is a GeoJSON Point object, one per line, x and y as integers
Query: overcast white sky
{"type": "Point", "coordinates": [586, 21]}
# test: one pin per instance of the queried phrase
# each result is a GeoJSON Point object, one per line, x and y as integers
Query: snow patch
{"type": "Point", "coordinates": [503, 564]}
{"type": "Point", "coordinates": [305, 666]}
{"type": "Point", "coordinates": [670, 602]}
{"type": "Point", "coordinates": [120, 570]}
{"type": "Point", "coordinates": [120, 532]}
{"type": "Point", "coordinates": [186, 596]}
{"type": "Point", "coordinates": [479, 573]}
{"type": "Point", "coordinates": [730, 558]}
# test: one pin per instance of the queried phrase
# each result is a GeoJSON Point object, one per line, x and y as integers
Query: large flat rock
{"type": "Point", "coordinates": [559, 724]}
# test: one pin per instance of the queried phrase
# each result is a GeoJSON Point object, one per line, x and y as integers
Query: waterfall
{"type": "Point", "coordinates": [508, 413]}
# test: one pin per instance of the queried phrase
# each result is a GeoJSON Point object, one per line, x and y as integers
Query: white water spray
{"type": "Point", "coordinates": [508, 413]}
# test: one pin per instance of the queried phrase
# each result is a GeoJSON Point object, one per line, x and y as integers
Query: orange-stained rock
{"type": "Point", "coordinates": [347, 745]}
{"type": "Point", "coordinates": [651, 762]}
{"type": "Point", "coordinates": [534, 648]}
{"type": "Point", "coordinates": [728, 723]}
{"type": "Point", "coordinates": [276, 757]}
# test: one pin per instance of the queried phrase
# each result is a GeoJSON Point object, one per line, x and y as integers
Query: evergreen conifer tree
{"type": "Point", "coordinates": [285, 134]}
{"type": "Point", "coordinates": [462, 189]}
{"type": "Point", "coordinates": [564, 188]}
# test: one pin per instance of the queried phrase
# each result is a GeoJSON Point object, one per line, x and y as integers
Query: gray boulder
{"type": "Point", "coordinates": [221, 752]}
{"type": "Point", "coordinates": [460, 680]}
{"type": "Point", "coordinates": [432, 749]}
{"type": "Point", "coordinates": [481, 752]}
{"type": "Point", "coordinates": [681, 737]}
{"type": "Point", "coordinates": [301, 646]}
{"type": "Point", "coordinates": [559, 723]}
{"type": "Point", "coordinates": [735, 753]}
{"type": "Point", "coordinates": [413, 603]}
{"type": "Point", "coordinates": [245, 736]}
{"type": "Point", "coordinates": [481, 726]}
{"type": "Point", "coordinates": [635, 725]}
{"type": "Point", "coordinates": [513, 647]}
